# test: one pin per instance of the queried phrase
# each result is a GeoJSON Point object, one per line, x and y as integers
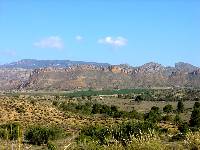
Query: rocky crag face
{"type": "Point", "coordinates": [80, 75]}
{"type": "Point", "coordinates": [10, 79]}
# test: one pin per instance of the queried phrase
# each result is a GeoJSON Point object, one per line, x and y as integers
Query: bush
{"type": "Point", "coordinates": [38, 135]}
{"type": "Point", "coordinates": [155, 109]}
{"type": "Point", "coordinates": [96, 133]}
{"type": "Point", "coordinates": [51, 146]}
{"type": "Point", "coordinates": [10, 131]}
{"type": "Point", "coordinates": [180, 107]}
{"type": "Point", "coordinates": [89, 109]}
{"type": "Point", "coordinates": [135, 115]}
{"type": "Point", "coordinates": [96, 108]}
{"type": "Point", "coordinates": [168, 109]}
{"type": "Point", "coordinates": [195, 118]}
{"type": "Point", "coordinates": [122, 133]}
{"type": "Point", "coordinates": [177, 120]}
{"type": "Point", "coordinates": [178, 137]}
{"type": "Point", "coordinates": [138, 98]}
{"type": "Point", "coordinates": [184, 128]}
{"type": "Point", "coordinates": [167, 118]}
{"type": "Point", "coordinates": [3, 133]}
{"type": "Point", "coordinates": [125, 131]}
{"type": "Point", "coordinates": [196, 105]}
{"type": "Point", "coordinates": [154, 115]}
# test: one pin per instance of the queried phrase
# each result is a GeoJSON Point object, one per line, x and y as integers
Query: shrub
{"type": "Point", "coordinates": [138, 98]}
{"type": "Point", "coordinates": [3, 133]}
{"type": "Point", "coordinates": [184, 128]}
{"type": "Point", "coordinates": [196, 105]}
{"type": "Point", "coordinates": [123, 133]}
{"type": "Point", "coordinates": [51, 146]}
{"type": "Point", "coordinates": [180, 107]}
{"type": "Point", "coordinates": [38, 135]}
{"type": "Point", "coordinates": [154, 115]}
{"type": "Point", "coordinates": [96, 133]}
{"type": "Point", "coordinates": [155, 109]}
{"type": "Point", "coordinates": [114, 108]}
{"type": "Point", "coordinates": [167, 118]}
{"type": "Point", "coordinates": [96, 108]}
{"type": "Point", "coordinates": [177, 120]}
{"type": "Point", "coordinates": [195, 118]}
{"type": "Point", "coordinates": [10, 131]}
{"type": "Point", "coordinates": [178, 137]}
{"type": "Point", "coordinates": [168, 108]}
{"type": "Point", "coordinates": [134, 114]}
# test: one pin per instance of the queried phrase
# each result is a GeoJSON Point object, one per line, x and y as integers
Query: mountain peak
{"type": "Point", "coordinates": [151, 65]}
{"type": "Point", "coordinates": [182, 66]}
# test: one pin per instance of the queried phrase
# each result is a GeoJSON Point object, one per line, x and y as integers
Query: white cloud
{"type": "Point", "coordinates": [117, 42]}
{"type": "Point", "coordinates": [8, 53]}
{"type": "Point", "coordinates": [50, 42]}
{"type": "Point", "coordinates": [79, 38]}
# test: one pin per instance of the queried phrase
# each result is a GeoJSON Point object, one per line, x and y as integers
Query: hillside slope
{"type": "Point", "coordinates": [95, 75]}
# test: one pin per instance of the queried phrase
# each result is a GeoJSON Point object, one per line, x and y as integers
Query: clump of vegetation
{"type": "Point", "coordinates": [38, 135]}
{"type": "Point", "coordinates": [180, 107]}
{"type": "Point", "coordinates": [177, 119]}
{"type": "Point", "coordinates": [184, 128]}
{"type": "Point", "coordinates": [11, 131]}
{"type": "Point", "coordinates": [51, 146]}
{"type": "Point", "coordinates": [168, 108]}
{"type": "Point", "coordinates": [195, 116]}
{"type": "Point", "coordinates": [96, 108]}
{"type": "Point", "coordinates": [122, 133]}
{"type": "Point", "coordinates": [154, 115]}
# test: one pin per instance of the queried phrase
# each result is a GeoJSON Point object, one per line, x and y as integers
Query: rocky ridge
{"type": "Point", "coordinates": [99, 76]}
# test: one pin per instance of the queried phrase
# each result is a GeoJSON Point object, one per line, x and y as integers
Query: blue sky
{"type": "Point", "coordinates": [114, 31]}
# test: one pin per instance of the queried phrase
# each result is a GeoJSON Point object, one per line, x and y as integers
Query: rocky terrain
{"type": "Point", "coordinates": [11, 78]}
{"type": "Point", "coordinates": [69, 75]}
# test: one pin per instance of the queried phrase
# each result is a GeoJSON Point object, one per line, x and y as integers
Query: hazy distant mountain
{"type": "Point", "coordinates": [68, 75]}
{"type": "Point", "coordinates": [34, 64]}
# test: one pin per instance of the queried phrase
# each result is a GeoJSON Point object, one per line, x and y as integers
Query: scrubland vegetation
{"type": "Point", "coordinates": [155, 119]}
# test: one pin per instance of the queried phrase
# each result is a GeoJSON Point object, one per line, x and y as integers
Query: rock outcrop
{"type": "Point", "coordinates": [81, 76]}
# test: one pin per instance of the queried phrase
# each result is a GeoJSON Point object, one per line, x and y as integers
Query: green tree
{"type": "Point", "coordinates": [153, 115]}
{"type": "Point", "coordinates": [195, 117]}
{"type": "Point", "coordinates": [168, 108]}
{"type": "Point", "coordinates": [180, 107]}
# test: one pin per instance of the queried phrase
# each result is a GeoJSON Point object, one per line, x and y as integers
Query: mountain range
{"type": "Point", "coordinates": [31, 74]}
